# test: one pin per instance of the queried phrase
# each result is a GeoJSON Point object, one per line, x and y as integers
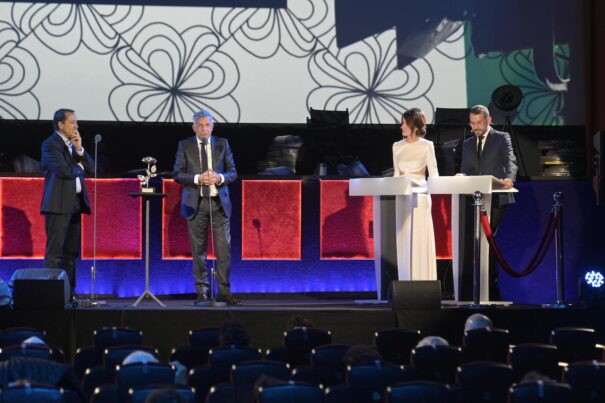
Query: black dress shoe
{"type": "Point", "coordinates": [229, 299]}
{"type": "Point", "coordinates": [200, 298]}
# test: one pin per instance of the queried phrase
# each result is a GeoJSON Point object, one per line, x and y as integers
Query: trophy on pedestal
{"type": "Point", "coordinates": [151, 173]}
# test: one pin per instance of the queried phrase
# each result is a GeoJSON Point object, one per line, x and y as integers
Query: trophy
{"type": "Point", "coordinates": [151, 173]}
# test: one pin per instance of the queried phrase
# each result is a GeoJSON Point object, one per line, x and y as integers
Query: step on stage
{"type": "Point", "coordinates": [266, 319]}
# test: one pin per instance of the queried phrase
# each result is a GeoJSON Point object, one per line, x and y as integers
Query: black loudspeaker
{"type": "Point", "coordinates": [415, 294]}
{"type": "Point", "coordinates": [40, 289]}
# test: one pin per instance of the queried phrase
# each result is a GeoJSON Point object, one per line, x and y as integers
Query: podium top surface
{"type": "Point", "coordinates": [389, 186]}
{"type": "Point", "coordinates": [467, 185]}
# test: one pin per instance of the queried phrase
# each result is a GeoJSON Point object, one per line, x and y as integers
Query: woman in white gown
{"type": "Point", "coordinates": [412, 157]}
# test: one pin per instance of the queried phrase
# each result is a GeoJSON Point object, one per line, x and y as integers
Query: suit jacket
{"type": "Point", "coordinates": [497, 159]}
{"type": "Point", "coordinates": [60, 170]}
{"type": "Point", "coordinates": [187, 165]}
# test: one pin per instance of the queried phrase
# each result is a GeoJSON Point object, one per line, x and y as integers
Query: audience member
{"type": "Point", "coordinates": [140, 357]}
{"type": "Point", "coordinates": [166, 395]}
{"type": "Point", "coordinates": [477, 321]}
{"type": "Point", "coordinates": [432, 341]}
{"type": "Point", "coordinates": [38, 371]}
{"type": "Point", "coordinates": [233, 334]}
{"type": "Point", "coordinates": [297, 322]}
{"type": "Point", "coordinates": [535, 376]}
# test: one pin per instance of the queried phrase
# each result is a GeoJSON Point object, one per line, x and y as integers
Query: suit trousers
{"type": "Point", "coordinates": [210, 210]}
{"type": "Point", "coordinates": [467, 253]}
{"type": "Point", "coordinates": [63, 240]}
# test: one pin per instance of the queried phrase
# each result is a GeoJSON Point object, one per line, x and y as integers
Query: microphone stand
{"type": "Point", "coordinates": [93, 302]}
{"type": "Point", "coordinates": [212, 302]}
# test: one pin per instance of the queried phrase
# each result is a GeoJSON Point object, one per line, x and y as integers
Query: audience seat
{"type": "Point", "coordinates": [417, 392]}
{"type": "Point", "coordinates": [486, 344]}
{"type": "Point", "coordinates": [328, 362]}
{"type": "Point", "coordinates": [140, 394]}
{"type": "Point", "coordinates": [244, 376]}
{"type": "Point", "coordinates": [587, 381]}
{"type": "Point", "coordinates": [575, 344]}
{"type": "Point", "coordinates": [116, 336]}
{"type": "Point", "coordinates": [368, 382]}
{"type": "Point", "coordinates": [542, 358]}
{"type": "Point", "coordinates": [291, 393]}
{"type": "Point", "coordinates": [540, 392]}
{"type": "Point", "coordinates": [31, 394]}
{"type": "Point", "coordinates": [395, 345]}
{"type": "Point", "coordinates": [437, 363]}
{"type": "Point", "coordinates": [483, 382]}
{"type": "Point", "coordinates": [15, 335]}
{"type": "Point", "coordinates": [300, 341]}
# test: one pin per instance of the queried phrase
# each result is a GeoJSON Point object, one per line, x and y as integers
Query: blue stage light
{"type": "Point", "coordinates": [594, 278]}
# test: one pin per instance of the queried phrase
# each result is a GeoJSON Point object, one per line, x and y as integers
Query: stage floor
{"type": "Point", "coordinates": [351, 321]}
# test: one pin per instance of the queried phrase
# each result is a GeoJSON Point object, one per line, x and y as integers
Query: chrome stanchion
{"type": "Point", "coordinates": [559, 265]}
{"type": "Point", "coordinates": [478, 203]}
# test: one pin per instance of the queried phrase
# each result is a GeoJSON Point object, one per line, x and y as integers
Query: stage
{"type": "Point", "coordinates": [351, 321]}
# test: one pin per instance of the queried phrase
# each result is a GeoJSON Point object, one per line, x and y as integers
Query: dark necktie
{"type": "Point", "coordinates": [480, 146]}
{"type": "Point", "coordinates": [204, 159]}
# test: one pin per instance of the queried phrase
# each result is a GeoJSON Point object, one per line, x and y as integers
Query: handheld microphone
{"type": "Point", "coordinates": [98, 138]}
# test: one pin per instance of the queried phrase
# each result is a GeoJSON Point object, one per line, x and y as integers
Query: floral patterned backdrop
{"type": "Point", "coordinates": [250, 65]}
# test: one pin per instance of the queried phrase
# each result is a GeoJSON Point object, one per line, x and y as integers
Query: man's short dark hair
{"type": "Point", "coordinates": [60, 116]}
{"type": "Point", "coordinates": [480, 110]}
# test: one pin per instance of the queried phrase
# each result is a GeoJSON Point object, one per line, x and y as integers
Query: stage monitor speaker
{"type": "Point", "coordinates": [423, 294]}
{"type": "Point", "coordinates": [40, 289]}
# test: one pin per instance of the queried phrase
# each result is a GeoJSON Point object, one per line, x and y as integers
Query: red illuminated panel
{"type": "Point", "coordinates": [271, 219]}
{"type": "Point", "coordinates": [22, 232]}
{"type": "Point", "coordinates": [442, 224]}
{"type": "Point", "coordinates": [175, 238]}
{"type": "Point", "coordinates": [119, 220]}
{"type": "Point", "coordinates": [345, 222]}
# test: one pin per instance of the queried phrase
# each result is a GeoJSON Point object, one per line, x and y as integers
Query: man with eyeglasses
{"type": "Point", "coordinates": [488, 152]}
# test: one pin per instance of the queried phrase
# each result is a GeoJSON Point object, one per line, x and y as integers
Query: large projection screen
{"type": "Point", "coordinates": [269, 61]}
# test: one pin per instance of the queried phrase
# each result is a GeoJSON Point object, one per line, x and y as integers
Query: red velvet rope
{"type": "Point", "coordinates": [540, 253]}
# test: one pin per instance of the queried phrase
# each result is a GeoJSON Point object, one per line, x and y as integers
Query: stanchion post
{"type": "Point", "coordinates": [478, 203]}
{"type": "Point", "coordinates": [559, 261]}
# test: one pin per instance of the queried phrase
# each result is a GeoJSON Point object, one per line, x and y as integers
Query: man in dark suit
{"type": "Point", "coordinates": [64, 163]}
{"type": "Point", "coordinates": [488, 152]}
{"type": "Point", "coordinates": [204, 165]}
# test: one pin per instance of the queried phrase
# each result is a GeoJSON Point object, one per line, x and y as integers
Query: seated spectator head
{"type": "Point", "coordinates": [432, 341]}
{"type": "Point", "coordinates": [361, 355]}
{"type": "Point", "coordinates": [166, 395]}
{"type": "Point", "coordinates": [297, 322]}
{"type": "Point", "coordinates": [233, 334]}
{"type": "Point", "coordinates": [34, 341]}
{"type": "Point", "coordinates": [477, 321]}
{"type": "Point", "coordinates": [139, 357]}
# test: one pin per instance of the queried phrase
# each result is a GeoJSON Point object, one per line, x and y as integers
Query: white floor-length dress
{"type": "Point", "coordinates": [411, 157]}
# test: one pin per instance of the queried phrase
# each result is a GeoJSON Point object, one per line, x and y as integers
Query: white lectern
{"type": "Point", "coordinates": [394, 199]}
{"type": "Point", "coordinates": [467, 185]}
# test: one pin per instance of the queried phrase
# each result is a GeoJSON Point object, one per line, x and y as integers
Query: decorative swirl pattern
{"type": "Point", "coordinates": [364, 79]}
{"type": "Point", "coordinates": [19, 73]}
{"type": "Point", "coordinates": [453, 52]}
{"type": "Point", "coordinates": [262, 32]}
{"type": "Point", "coordinates": [542, 104]}
{"type": "Point", "coordinates": [166, 76]}
{"type": "Point", "coordinates": [64, 27]}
